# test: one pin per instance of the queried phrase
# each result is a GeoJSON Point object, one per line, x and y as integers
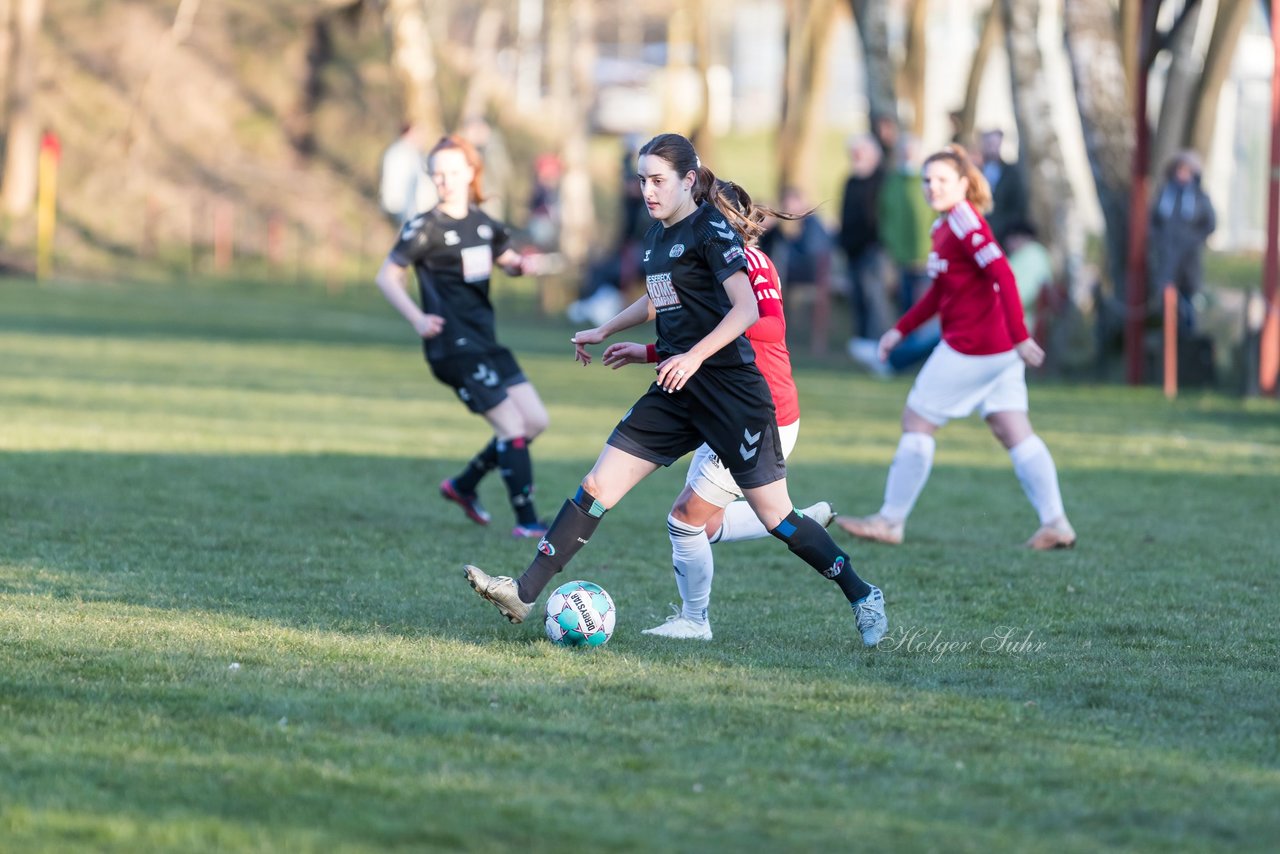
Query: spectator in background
{"type": "Point", "coordinates": [405, 189]}
{"type": "Point", "coordinates": [544, 203]}
{"type": "Point", "coordinates": [800, 248]}
{"type": "Point", "coordinates": [1009, 202]}
{"type": "Point", "coordinates": [859, 238]}
{"type": "Point", "coordinates": [1032, 268]}
{"type": "Point", "coordinates": [1182, 218]}
{"type": "Point", "coordinates": [906, 221]}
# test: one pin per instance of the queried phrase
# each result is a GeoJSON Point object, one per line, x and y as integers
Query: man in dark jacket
{"type": "Point", "coordinates": [1182, 217]}
{"type": "Point", "coordinates": [1009, 202]}
{"type": "Point", "coordinates": [859, 237]}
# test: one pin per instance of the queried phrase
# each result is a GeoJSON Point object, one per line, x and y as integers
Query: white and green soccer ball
{"type": "Point", "coordinates": [580, 613]}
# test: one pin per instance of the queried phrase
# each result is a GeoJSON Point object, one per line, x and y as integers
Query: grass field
{"type": "Point", "coordinates": [196, 476]}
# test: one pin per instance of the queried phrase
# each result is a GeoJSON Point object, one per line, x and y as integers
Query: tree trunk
{"type": "Point", "coordinates": [911, 79]}
{"type": "Point", "coordinates": [987, 40]}
{"type": "Point", "coordinates": [6, 45]}
{"type": "Point", "coordinates": [22, 140]}
{"type": "Point", "coordinates": [571, 51]}
{"type": "Point", "coordinates": [1102, 96]}
{"type": "Point", "coordinates": [299, 124]}
{"type": "Point", "coordinates": [809, 31]}
{"type": "Point", "coordinates": [1230, 20]}
{"type": "Point", "coordinates": [700, 31]}
{"type": "Point", "coordinates": [871, 18]}
{"type": "Point", "coordinates": [1173, 126]}
{"type": "Point", "coordinates": [1052, 207]}
{"type": "Point", "coordinates": [413, 61]}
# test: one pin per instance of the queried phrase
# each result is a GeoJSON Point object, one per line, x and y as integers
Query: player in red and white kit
{"type": "Point", "coordinates": [708, 510]}
{"type": "Point", "coordinates": [980, 364]}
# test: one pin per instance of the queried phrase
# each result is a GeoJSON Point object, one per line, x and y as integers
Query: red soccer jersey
{"type": "Point", "coordinates": [974, 291]}
{"type": "Point", "coordinates": [768, 336]}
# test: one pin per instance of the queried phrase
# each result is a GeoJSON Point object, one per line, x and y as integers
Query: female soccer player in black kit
{"type": "Point", "coordinates": [453, 248]}
{"type": "Point", "coordinates": [708, 390]}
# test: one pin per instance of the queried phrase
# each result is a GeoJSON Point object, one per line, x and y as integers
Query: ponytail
{"type": "Point", "coordinates": [979, 193]}
{"type": "Point", "coordinates": [744, 216]}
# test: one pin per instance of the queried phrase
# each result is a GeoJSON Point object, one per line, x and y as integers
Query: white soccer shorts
{"type": "Point", "coordinates": [952, 385]}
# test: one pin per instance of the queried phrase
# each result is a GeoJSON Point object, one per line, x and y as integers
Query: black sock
{"type": "Point", "coordinates": [517, 472]}
{"type": "Point", "coordinates": [480, 465]}
{"type": "Point", "coordinates": [811, 543]}
{"type": "Point", "coordinates": [573, 527]}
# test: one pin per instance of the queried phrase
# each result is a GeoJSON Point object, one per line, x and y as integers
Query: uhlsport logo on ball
{"type": "Point", "coordinates": [580, 613]}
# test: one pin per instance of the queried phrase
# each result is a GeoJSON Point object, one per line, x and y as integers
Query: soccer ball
{"type": "Point", "coordinates": [580, 614]}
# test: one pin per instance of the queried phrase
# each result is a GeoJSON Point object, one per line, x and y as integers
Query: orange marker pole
{"type": "Point", "coordinates": [47, 203]}
{"type": "Point", "coordinates": [1170, 342]}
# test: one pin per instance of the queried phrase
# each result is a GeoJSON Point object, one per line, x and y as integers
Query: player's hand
{"type": "Point", "coordinates": [581, 339]}
{"type": "Point", "coordinates": [675, 372]}
{"type": "Point", "coordinates": [1031, 352]}
{"type": "Point", "coordinates": [428, 325]}
{"type": "Point", "coordinates": [625, 353]}
{"type": "Point", "coordinates": [888, 341]}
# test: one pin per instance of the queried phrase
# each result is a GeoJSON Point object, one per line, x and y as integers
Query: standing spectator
{"type": "Point", "coordinates": [905, 224]}
{"type": "Point", "coordinates": [544, 203]}
{"type": "Point", "coordinates": [859, 238]}
{"type": "Point", "coordinates": [1033, 269]}
{"type": "Point", "coordinates": [1182, 218]}
{"type": "Point", "coordinates": [405, 189]}
{"type": "Point", "coordinates": [1009, 201]}
{"type": "Point", "coordinates": [800, 248]}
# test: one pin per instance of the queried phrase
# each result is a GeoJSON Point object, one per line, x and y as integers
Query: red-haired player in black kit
{"type": "Point", "coordinates": [453, 248]}
{"type": "Point", "coordinates": [708, 389]}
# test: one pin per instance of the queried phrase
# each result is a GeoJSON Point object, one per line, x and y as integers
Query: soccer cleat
{"type": "Point", "coordinates": [537, 530]}
{"type": "Point", "coordinates": [822, 513]}
{"type": "Point", "coordinates": [868, 615]}
{"type": "Point", "coordinates": [875, 528]}
{"type": "Point", "coordinates": [501, 591]}
{"type": "Point", "coordinates": [470, 504]}
{"type": "Point", "coordinates": [680, 626]}
{"type": "Point", "coordinates": [1056, 535]}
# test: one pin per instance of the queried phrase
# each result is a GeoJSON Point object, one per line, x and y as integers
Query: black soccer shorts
{"type": "Point", "coordinates": [730, 409]}
{"type": "Point", "coordinates": [480, 380]}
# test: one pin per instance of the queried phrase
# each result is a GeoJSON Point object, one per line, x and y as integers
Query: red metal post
{"type": "Point", "coordinates": [1269, 355]}
{"type": "Point", "coordinates": [1136, 266]}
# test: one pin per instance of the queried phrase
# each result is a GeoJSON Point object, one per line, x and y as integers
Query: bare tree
{"type": "Point", "coordinates": [571, 52]}
{"type": "Point", "coordinates": [22, 140]}
{"type": "Point", "coordinates": [1227, 26]}
{"type": "Point", "coordinates": [988, 38]}
{"type": "Point", "coordinates": [1106, 115]}
{"type": "Point", "coordinates": [1033, 105]}
{"type": "Point", "coordinates": [871, 18]}
{"type": "Point", "coordinates": [413, 60]}
{"type": "Point", "coordinates": [809, 28]}
{"type": "Point", "coordinates": [912, 74]}
{"type": "Point", "coordinates": [1179, 85]}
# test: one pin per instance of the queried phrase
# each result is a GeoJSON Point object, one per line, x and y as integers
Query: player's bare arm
{"type": "Point", "coordinates": [640, 311]}
{"type": "Point", "coordinates": [392, 279]}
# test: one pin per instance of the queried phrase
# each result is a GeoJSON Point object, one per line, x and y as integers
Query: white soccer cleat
{"type": "Point", "coordinates": [822, 513]}
{"type": "Point", "coordinates": [680, 626]}
{"type": "Point", "coordinates": [500, 590]}
{"type": "Point", "coordinates": [868, 614]}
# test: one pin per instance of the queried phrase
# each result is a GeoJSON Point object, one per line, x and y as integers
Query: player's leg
{"type": "Point", "coordinates": [1036, 471]}
{"type": "Point", "coordinates": [691, 563]}
{"type": "Point", "coordinates": [811, 543]}
{"type": "Point", "coordinates": [739, 521]}
{"type": "Point", "coordinates": [515, 464]}
{"type": "Point", "coordinates": [908, 473]}
{"type": "Point", "coordinates": [612, 477]}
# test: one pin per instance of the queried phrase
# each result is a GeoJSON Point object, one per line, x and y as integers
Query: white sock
{"type": "Point", "coordinates": [908, 474]}
{"type": "Point", "coordinates": [692, 562]}
{"type": "Point", "coordinates": [740, 523]}
{"type": "Point", "coordinates": [1033, 464]}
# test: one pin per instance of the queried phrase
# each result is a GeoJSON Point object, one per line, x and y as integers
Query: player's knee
{"type": "Point", "coordinates": [535, 423]}
{"type": "Point", "coordinates": [681, 511]}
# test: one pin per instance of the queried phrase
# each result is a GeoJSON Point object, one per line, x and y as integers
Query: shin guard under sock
{"type": "Point", "coordinates": [810, 542]}
{"type": "Point", "coordinates": [572, 528]}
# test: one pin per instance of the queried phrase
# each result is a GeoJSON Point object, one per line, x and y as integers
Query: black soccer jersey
{"type": "Point", "coordinates": [453, 259]}
{"type": "Point", "coordinates": [685, 267]}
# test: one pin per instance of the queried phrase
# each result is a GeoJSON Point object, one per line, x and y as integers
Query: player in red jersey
{"type": "Point", "coordinates": [708, 510]}
{"type": "Point", "coordinates": [981, 362]}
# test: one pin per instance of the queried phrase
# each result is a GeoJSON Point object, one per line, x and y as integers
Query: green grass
{"type": "Point", "coordinates": [195, 476]}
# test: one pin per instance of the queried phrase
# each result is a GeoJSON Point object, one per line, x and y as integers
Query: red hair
{"type": "Point", "coordinates": [473, 160]}
{"type": "Point", "coordinates": [979, 192]}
